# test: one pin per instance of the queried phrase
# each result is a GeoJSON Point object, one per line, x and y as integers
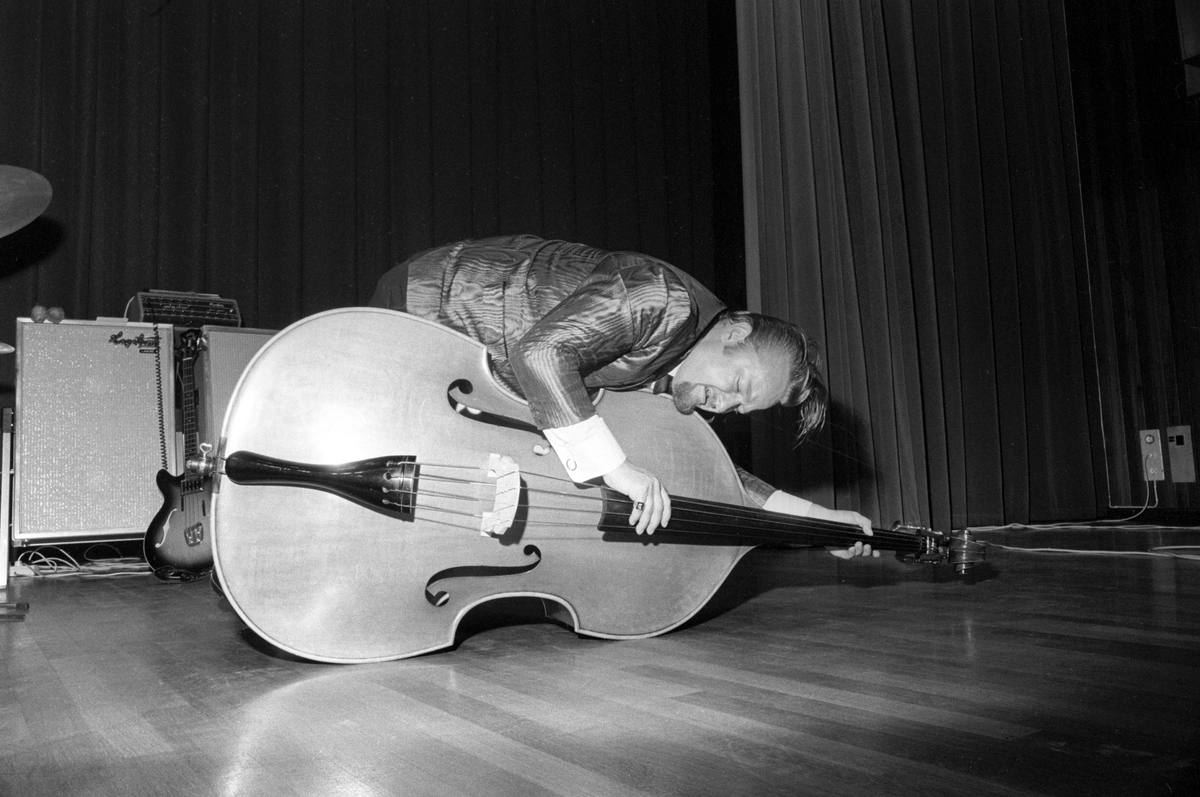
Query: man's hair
{"type": "Point", "coordinates": [806, 386]}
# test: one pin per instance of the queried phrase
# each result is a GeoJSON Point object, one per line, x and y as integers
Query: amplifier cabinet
{"type": "Point", "coordinates": [94, 423]}
{"type": "Point", "coordinates": [6, 424]}
{"type": "Point", "coordinates": [226, 353]}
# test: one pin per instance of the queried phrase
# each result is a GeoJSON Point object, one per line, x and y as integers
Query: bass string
{"type": "Point", "coordinates": [703, 528]}
{"type": "Point", "coordinates": [713, 519]}
{"type": "Point", "coordinates": [717, 528]}
{"type": "Point", "coordinates": [589, 527]}
{"type": "Point", "coordinates": [720, 532]}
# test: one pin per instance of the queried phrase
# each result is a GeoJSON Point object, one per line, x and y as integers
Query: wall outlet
{"type": "Point", "coordinates": [1180, 455]}
{"type": "Point", "coordinates": [1152, 455]}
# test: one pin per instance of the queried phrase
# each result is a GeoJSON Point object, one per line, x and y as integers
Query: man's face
{"type": "Point", "coordinates": [729, 379]}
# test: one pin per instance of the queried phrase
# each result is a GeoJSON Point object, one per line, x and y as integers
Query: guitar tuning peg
{"type": "Point", "coordinates": [202, 465]}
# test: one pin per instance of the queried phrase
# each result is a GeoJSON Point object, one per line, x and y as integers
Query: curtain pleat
{"type": "Point", "coordinates": [909, 196]}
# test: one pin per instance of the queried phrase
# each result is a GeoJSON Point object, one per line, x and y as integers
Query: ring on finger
{"type": "Point", "coordinates": [639, 505]}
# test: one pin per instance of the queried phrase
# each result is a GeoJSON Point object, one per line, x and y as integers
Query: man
{"type": "Point", "coordinates": [561, 320]}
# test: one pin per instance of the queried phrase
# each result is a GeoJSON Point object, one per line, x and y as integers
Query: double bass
{"type": "Point", "coordinates": [374, 483]}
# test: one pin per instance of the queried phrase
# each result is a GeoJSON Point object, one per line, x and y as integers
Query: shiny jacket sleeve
{"type": "Point", "coordinates": [758, 490]}
{"type": "Point", "coordinates": [620, 312]}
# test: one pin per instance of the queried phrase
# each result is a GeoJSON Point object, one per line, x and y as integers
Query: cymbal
{"type": "Point", "coordinates": [6, 349]}
{"type": "Point", "coordinates": [23, 197]}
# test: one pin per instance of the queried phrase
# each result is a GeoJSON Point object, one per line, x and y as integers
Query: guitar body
{"type": "Point", "coordinates": [178, 542]}
{"type": "Point", "coordinates": [331, 580]}
{"type": "Point", "coordinates": [178, 537]}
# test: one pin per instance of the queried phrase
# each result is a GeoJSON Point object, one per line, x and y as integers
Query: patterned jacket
{"type": "Point", "coordinates": [559, 320]}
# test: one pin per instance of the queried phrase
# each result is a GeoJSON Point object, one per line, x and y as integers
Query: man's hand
{"type": "Point", "coordinates": [651, 504]}
{"type": "Point", "coordinates": [854, 519]}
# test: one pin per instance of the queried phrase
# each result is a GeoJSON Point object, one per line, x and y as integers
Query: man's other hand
{"type": "Point", "coordinates": [651, 504]}
{"type": "Point", "coordinates": [853, 519]}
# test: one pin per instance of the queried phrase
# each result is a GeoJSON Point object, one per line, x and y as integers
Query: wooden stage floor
{"type": "Point", "coordinates": [806, 676]}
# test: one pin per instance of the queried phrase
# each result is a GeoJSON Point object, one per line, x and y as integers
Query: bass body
{"type": "Point", "coordinates": [374, 483]}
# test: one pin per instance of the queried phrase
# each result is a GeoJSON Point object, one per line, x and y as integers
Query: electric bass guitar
{"type": "Point", "coordinates": [178, 544]}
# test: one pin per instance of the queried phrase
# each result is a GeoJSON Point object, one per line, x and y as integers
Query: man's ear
{"type": "Point", "coordinates": [735, 332]}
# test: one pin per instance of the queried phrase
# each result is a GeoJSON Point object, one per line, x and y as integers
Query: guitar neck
{"type": "Point", "coordinates": [187, 378]}
{"type": "Point", "coordinates": [186, 350]}
{"type": "Point", "coordinates": [708, 522]}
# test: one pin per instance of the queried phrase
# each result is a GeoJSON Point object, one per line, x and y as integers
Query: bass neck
{"type": "Point", "coordinates": [697, 522]}
{"type": "Point", "coordinates": [700, 522]}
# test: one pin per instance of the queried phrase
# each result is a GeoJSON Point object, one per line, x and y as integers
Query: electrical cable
{"type": "Point", "coordinates": [1158, 551]}
{"type": "Point", "coordinates": [162, 411]}
{"type": "Point", "coordinates": [1113, 523]}
{"type": "Point", "coordinates": [41, 565]}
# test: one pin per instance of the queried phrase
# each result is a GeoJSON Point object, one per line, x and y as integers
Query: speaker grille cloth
{"type": "Point", "coordinates": [89, 440]}
{"type": "Point", "coordinates": [226, 355]}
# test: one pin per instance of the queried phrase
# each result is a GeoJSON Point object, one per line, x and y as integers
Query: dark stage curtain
{"type": "Point", "coordinates": [1139, 135]}
{"type": "Point", "coordinates": [913, 201]}
{"type": "Point", "coordinates": [286, 153]}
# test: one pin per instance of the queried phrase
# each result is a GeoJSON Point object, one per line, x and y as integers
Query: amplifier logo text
{"type": "Point", "coordinates": [146, 345]}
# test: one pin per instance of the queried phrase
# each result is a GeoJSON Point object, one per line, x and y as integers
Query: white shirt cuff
{"type": "Point", "coordinates": [788, 504]}
{"type": "Point", "coordinates": [587, 449]}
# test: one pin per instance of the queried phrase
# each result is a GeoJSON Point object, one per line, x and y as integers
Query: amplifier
{"type": "Point", "coordinates": [94, 423]}
{"type": "Point", "coordinates": [6, 428]}
{"type": "Point", "coordinates": [190, 310]}
{"type": "Point", "coordinates": [226, 354]}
